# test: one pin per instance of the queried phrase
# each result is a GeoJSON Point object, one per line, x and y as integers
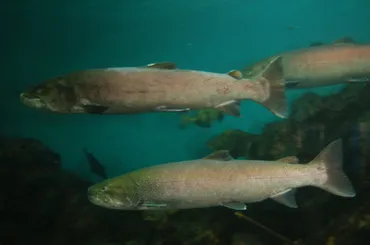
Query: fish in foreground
{"type": "Point", "coordinates": [221, 180]}
{"type": "Point", "coordinates": [321, 64]}
{"type": "Point", "coordinates": [158, 87]}
{"type": "Point", "coordinates": [95, 166]}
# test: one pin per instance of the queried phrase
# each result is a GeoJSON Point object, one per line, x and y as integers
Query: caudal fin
{"type": "Point", "coordinates": [272, 78]}
{"type": "Point", "coordinates": [329, 165]}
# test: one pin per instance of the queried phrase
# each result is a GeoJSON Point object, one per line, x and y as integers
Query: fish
{"type": "Point", "coordinates": [342, 61]}
{"type": "Point", "coordinates": [95, 166]}
{"type": "Point", "coordinates": [220, 180]}
{"type": "Point", "coordinates": [158, 87]}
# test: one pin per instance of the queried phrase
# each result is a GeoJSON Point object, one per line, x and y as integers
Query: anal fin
{"type": "Point", "coordinates": [235, 205]}
{"type": "Point", "coordinates": [359, 79]}
{"type": "Point", "coordinates": [286, 197]}
{"type": "Point", "coordinates": [230, 107]}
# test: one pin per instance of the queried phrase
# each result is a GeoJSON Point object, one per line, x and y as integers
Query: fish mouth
{"type": "Point", "coordinates": [94, 200]}
{"type": "Point", "coordinates": [28, 96]}
{"type": "Point", "coordinates": [31, 100]}
{"type": "Point", "coordinates": [101, 202]}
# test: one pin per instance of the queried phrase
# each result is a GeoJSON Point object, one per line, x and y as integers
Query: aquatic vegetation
{"type": "Point", "coordinates": [237, 142]}
{"type": "Point", "coordinates": [202, 118]}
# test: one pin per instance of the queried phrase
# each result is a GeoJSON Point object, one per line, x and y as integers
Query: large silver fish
{"type": "Point", "coordinates": [342, 61]}
{"type": "Point", "coordinates": [158, 87]}
{"type": "Point", "coordinates": [220, 180]}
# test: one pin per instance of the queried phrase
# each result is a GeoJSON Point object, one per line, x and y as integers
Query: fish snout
{"type": "Point", "coordinates": [92, 195]}
{"type": "Point", "coordinates": [31, 100]}
{"type": "Point", "coordinates": [90, 191]}
{"type": "Point", "coordinates": [26, 96]}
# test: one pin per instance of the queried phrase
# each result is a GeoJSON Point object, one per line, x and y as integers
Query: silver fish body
{"type": "Point", "coordinates": [220, 180]}
{"type": "Point", "coordinates": [158, 88]}
{"type": "Point", "coordinates": [342, 61]}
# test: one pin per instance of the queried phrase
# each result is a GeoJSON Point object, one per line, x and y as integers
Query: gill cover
{"type": "Point", "coordinates": [54, 96]}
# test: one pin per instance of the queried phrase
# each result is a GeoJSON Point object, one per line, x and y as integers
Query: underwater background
{"type": "Point", "coordinates": [43, 39]}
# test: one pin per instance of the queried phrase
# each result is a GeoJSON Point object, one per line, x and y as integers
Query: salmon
{"type": "Point", "coordinates": [158, 87]}
{"type": "Point", "coordinates": [220, 180]}
{"type": "Point", "coordinates": [342, 61]}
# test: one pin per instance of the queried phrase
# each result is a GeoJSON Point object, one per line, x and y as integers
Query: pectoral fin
{"type": "Point", "coordinates": [235, 205]}
{"type": "Point", "coordinates": [162, 65]}
{"type": "Point", "coordinates": [164, 108]}
{"type": "Point", "coordinates": [230, 107]}
{"type": "Point", "coordinates": [286, 197]}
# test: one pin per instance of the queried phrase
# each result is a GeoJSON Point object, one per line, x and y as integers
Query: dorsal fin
{"type": "Point", "coordinates": [344, 40]}
{"type": "Point", "coordinates": [235, 74]}
{"type": "Point", "coordinates": [290, 159]}
{"type": "Point", "coordinates": [220, 155]}
{"type": "Point", "coordinates": [162, 65]}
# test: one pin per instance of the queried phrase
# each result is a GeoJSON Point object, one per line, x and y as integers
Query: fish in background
{"type": "Point", "coordinates": [158, 87]}
{"type": "Point", "coordinates": [95, 166]}
{"type": "Point", "coordinates": [221, 180]}
{"type": "Point", "coordinates": [342, 61]}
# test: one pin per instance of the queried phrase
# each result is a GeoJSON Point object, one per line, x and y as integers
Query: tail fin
{"type": "Point", "coordinates": [272, 78]}
{"type": "Point", "coordinates": [329, 161]}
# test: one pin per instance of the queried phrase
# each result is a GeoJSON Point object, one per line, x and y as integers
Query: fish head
{"type": "Point", "coordinates": [120, 193]}
{"type": "Point", "coordinates": [53, 95]}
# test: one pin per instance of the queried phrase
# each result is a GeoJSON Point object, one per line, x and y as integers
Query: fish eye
{"type": "Point", "coordinates": [104, 188]}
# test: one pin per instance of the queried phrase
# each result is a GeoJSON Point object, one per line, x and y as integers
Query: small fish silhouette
{"type": "Point", "coordinates": [95, 166]}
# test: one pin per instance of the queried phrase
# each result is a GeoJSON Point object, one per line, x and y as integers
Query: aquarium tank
{"type": "Point", "coordinates": [193, 122]}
